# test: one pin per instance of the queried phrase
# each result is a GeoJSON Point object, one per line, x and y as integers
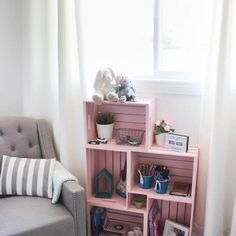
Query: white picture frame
{"type": "Point", "coordinates": [177, 142]}
{"type": "Point", "coordinates": [174, 229]}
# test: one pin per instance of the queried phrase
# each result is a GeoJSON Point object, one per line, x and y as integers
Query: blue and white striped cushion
{"type": "Point", "coordinates": [25, 176]}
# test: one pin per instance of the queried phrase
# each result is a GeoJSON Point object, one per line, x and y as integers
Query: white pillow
{"type": "Point", "coordinates": [60, 175]}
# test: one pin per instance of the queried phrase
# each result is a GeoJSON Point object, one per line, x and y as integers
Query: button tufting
{"type": "Point", "coordinates": [13, 148]}
{"type": "Point", "coordinates": [30, 145]}
{"type": "Point", "coordinates": [19, 129]}
{"type": "Point", "coordinates": [1, 133]}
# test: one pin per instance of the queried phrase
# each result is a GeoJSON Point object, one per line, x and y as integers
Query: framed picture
{"type": "Point", "coordinates": [177, 142]}
{"type": "Point", "coordinates": [174, 229]}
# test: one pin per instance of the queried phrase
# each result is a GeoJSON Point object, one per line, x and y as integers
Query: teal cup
{"type": "Point", "coordinates": [161, 186]}
{"type": "Point", "coordinates": [145, 182]}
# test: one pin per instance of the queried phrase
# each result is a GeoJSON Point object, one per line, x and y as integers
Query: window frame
{"type": "Point", "coordinates": [157, 73]}
{"type": "Point", "coordinates": [166, 82]}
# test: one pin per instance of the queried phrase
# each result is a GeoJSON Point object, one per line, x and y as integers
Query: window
{"type": "Point", "coordinates": [147, 38]}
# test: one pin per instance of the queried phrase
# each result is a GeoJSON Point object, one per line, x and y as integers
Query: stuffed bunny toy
{"type": "Point", "coordinates": [125, 89]}
{"type": "Point", "coordinates": [104, 86]}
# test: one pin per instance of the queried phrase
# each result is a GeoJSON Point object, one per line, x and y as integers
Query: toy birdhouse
{"type": "Point", "coordinates": [103, 184]}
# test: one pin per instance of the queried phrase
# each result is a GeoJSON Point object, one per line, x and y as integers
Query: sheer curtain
{"type": "Point", "coordinates": [218, 128]}
{"type": "Point", "coordinates": [52, 74]}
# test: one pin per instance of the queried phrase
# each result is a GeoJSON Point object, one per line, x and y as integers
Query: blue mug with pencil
{"type": "Point", "coordinates": [146, 173]}
{"type": "Point", "coordinates": [162, 180]}
{"type": "Point", "coordinates": [161, 185]}
{"type": "Point", "coordinates": [145, 182]}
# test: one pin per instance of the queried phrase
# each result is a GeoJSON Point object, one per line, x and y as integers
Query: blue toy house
{"type": "Point", "coordinates": [103, 184]}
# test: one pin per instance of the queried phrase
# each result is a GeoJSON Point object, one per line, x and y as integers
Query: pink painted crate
{"type": "Point", "coordinates": [130, 218]}
{"type": "Point", "coordinates": [132, 197]}
{"type": "Point", "coordinates": [175, 211]}
{"type": "Point", "coordinates": [99, 159]}
{"type": "Point", "coordinates": [131, 115]}
{"type": "Point", "coordinates": [181, 168]}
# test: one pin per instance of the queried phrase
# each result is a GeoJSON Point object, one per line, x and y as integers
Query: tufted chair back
{"type": "Point", "coordinates": [25, 137]}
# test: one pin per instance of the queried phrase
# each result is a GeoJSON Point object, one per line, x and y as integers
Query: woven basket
{"type": "Point", "coordinates": [131, 137]}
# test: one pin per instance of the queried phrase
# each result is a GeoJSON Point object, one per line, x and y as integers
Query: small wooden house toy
{"type": "Point", "coordinates": [103, 184]}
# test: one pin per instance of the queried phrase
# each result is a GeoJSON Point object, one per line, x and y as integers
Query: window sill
{"type": "Point", "coordinates": [161, 86]}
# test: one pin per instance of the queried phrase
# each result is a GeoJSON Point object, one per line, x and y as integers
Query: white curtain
{"type": "Point", "coordinates": [52, 74]}
{"type": "Point", "coordinates": [218, 126]}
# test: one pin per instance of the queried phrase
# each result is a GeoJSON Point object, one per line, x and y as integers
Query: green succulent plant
{"type": "Point", "coordinates": [105, 118]}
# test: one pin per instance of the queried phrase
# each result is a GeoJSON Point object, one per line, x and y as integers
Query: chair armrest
{"type": "Point", "coordinates": [73, 198]}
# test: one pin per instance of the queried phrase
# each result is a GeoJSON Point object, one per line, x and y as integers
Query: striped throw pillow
{"type": "Point", "coordinates": [25, 176]}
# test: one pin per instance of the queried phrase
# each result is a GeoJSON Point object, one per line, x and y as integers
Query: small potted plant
{"type": "Point", "coordinates": [105, 123]}
{"type": "Point", "coordinates": [161, 128]}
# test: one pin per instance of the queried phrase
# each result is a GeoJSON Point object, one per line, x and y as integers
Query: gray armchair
{"type": "Point", "coordinates": [35, 216]}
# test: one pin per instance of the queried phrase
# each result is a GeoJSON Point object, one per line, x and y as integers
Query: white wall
{"type": "Point", "coordinates": [10, 58]}
{"type": "Point", "coordinates": [178, 103]}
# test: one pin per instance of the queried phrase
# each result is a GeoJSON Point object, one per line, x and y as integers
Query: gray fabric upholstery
{"type": "Point", "coordinates": [31, 138]}
{"type": "Point", "coordinates": [73, 198]}
{"type": "Point", "coordinates": [0, 164]}
{"type": "Point", "coordinates": [45, 138]}
{"type": "Point", "coordinates": [19, 137]}
{"type": "Point", "coordinates": [34, 216]}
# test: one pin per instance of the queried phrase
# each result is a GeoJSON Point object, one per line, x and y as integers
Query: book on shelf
{"type": "Point", "coordinates": [154, 218]}
{"type": "Point", "coordinates": [181, 189]}
{"type": "Point", "coordinates": [104, 233]}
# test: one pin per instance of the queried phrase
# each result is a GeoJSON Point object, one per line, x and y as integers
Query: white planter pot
{"type": "Point", "coordinates": [105, 131]}
{"type": "Point", "coordinates": [160, 139]}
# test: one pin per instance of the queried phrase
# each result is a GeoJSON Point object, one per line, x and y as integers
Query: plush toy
{"type": "Point", "coordinates": [104, 86]}
{"type": "Point", "coordinates": [125, 89]}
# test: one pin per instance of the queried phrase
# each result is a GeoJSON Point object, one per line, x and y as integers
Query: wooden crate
{"type": "Point", "coordinates": [182, 166]}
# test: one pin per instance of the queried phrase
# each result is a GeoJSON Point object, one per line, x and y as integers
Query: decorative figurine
{"type": "Point", "coordinates": [101, 189]}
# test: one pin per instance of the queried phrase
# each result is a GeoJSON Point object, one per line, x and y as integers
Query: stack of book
{"type": "Point", "coordinates": [181, 189]}
{"type": "Point", "coordinates": [109, 234]}
{"type": "Point", "coordinates": [98, 215]}
{"type": "Point", "coordinates": [154, 220]}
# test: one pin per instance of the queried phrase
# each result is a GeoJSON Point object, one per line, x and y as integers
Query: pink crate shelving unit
{"type": "Point", "coordinates": [138, 115]}
{"type": "Point", "coordinates": [183, 167]}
